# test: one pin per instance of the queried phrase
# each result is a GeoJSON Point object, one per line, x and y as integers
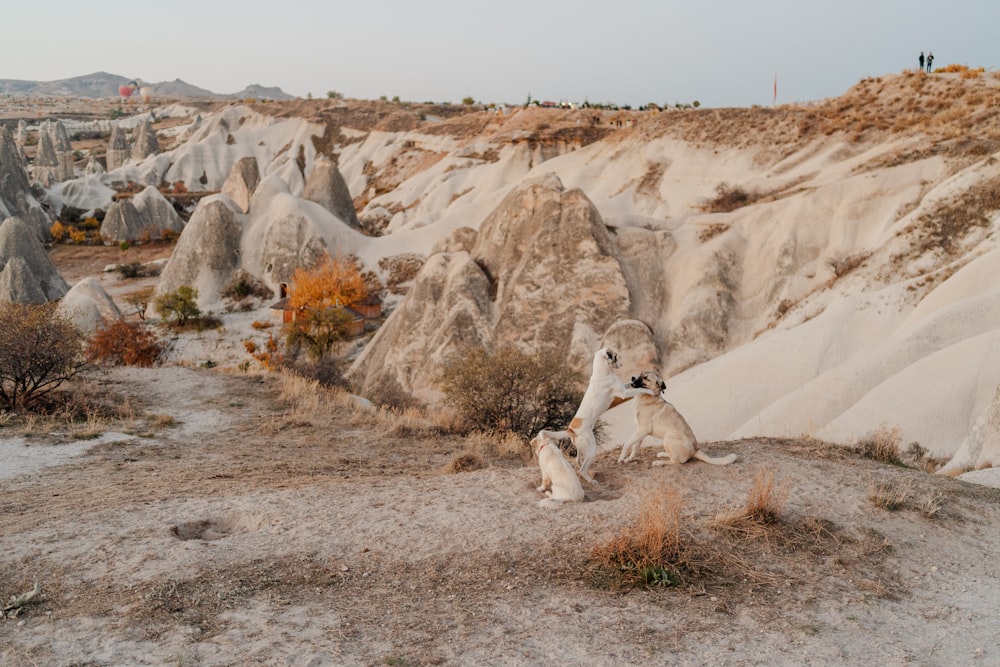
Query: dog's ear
{"type": "Point", "coordinates": [662, 386]}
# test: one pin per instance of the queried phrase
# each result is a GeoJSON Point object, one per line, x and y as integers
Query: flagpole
{"type": "Point", "coordinates": [774, 102]}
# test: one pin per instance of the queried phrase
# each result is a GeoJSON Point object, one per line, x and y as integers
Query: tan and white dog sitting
{"type": "Point", "coordinates": [656, 417]}
{"type": "Point", "coordinates": [604, 391]}
{"type": "Point", "coordinates": [559, 480]}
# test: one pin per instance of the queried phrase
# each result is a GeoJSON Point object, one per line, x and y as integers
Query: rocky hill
{"type": "Point", "coordinates": [103, 85]}
{"type": "Point", "coordinates": [821, 269]}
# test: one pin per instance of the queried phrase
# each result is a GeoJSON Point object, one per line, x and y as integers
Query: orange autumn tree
{"type": "Point", "coordinates": [319, 296]}
{"type": "Point", "coordinates": [332, 282]}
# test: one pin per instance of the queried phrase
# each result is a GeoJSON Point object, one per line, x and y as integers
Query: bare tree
{"type": "Point", "coordinates": [40, 348]}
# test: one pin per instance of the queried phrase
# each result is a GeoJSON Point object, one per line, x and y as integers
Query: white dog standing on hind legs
{"type": "Point", "coordinates": [604, 391]}
{"type": "Point", "coordinates": [656, 417]}
{"type": "Point", "coordinates": [559, 480]}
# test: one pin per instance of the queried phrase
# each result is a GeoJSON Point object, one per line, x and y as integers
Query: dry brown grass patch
{"type": "Point", "coordinates": [651, 550]}
{"type": "Point", "coordinates": [890, 495]}
{"type": "Point", "coordinates": [882, 444]}
{"type": "Point", "coordinates": [765, 503]}
{"type": "Point", "coordinates": [490, 448]}
{"type": "Point", "coordinates": [464, 463]}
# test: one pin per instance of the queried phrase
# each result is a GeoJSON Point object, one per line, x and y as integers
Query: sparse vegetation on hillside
{"type": "Point", "coordinates": [76, 231]}
{"type": "Point", "coordinates": [950, 222]}
{"type": "Point", "coordinates": [243, 290]}
{"type": "Point", "coordinates": [758, 545]}
{"type": "Point", "coordinates": [730, 197]}
{"type": "Point", "coordinates": [180, 305]}
{"type": "Point", "coordinates": [124, 343]}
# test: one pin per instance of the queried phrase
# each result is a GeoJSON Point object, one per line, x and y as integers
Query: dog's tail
{"type": "Point", "coordinates": [719, 461]}
{"type": "Point", "coordinates": [558, 435]}
{"type": "Point", "coordinates": [551, 503]}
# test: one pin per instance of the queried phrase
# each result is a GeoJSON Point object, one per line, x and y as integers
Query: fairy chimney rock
{"type": "Point", "coordinates": [118, 148]}
{"type": "Point", "coordinates": [207, 255]}
{"type": "Point", "coordinates": [326, 186]}
{"type": "Point", "coordinates": [542, 273]}
{"type": "Point", "coordinates": [243, 179]}
{"type": "Point", "coordinates": [27, 275]}
{"type": "Point", "coordinates": [88, 305]}
{"type": "Point", "coordinates": [145, 143]}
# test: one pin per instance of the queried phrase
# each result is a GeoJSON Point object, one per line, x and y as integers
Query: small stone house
{"type": "Point", "coordinates": [370, 307]}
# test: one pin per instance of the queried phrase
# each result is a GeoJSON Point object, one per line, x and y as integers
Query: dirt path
{"type": "Point", "coordinates": [254, 530]}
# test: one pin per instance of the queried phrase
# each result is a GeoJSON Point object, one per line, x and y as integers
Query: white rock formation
{"type": "Point", "coordinates": [981, 447]}
{"type": "Point", "coordinates": [27, 275]}
{"type": "Point", "coordinates": [119, 149]}
{"type": "Point", "coordinates": [62, 148]}
{"type": "Point", "coordinates": [88, 305]}
{"type": "Point", "coordinates": [326, 187]}
{"type": "Point", "coordinates": [286, 232]}
{"type": "Point", "coordinates": [207, 255]}
{"type": "Point", "coordinates": [157, 213]}
{"type": "Point", "coordinates": [542, 275]}
{"type": "Point", "coordinates": [122, 222]}
{"type": "Point", "coordinates": [144, 217]}
{"type": "Point", "coordinates": [242, 181]}
{"type": "Point", "coordinates": [145, 142]}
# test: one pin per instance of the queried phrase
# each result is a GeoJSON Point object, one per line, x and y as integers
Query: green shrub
{"type": "Point", "coordinates": [181, 305]}
{"type": "Point", "coordinates": [510, 390]}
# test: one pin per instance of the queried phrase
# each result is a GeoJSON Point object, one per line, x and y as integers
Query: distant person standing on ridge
{"type": "Point", "coordinates": [921, 60]}
{"type": "Point", "coordinates": [930, 59]}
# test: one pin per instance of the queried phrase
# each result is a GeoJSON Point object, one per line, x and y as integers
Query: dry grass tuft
{"type": "Point", "coordinates": [764, 505]}
{"type": "Point", "coordinates": [92, 427]}
{"type": "Point", "coordinates": [489, 447]}
{"type": "Point", "coordinates": [931, 505]}
{"type": "Point", "coordinates": [651, 551]}
{"type": "Point", "coordinates": [900, 495]}
{"type": "Point", "coordinates": [891, 496]}
{"type": "Point", "coordinates": [881, 445]}
{"type": "Point", "coordinates": [464, 463]}
{"type": "Point", "coordinates": [411, 422]}
{"type": "Point", "coordinates": [160, 420]}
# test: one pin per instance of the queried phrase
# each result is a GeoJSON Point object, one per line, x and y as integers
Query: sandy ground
{"type": "Point", "coordinates": [222, 524]}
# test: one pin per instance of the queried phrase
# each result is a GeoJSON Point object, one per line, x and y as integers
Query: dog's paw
{"type": "Point", "coordinates": [540, 489]}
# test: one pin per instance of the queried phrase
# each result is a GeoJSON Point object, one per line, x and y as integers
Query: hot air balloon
{"type": "Point", "coordinates": [127, 90]}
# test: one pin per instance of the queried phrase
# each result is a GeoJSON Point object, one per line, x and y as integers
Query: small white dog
{"type": "Point", "coordinates": [656, 417]}
{"type": "Point", "coordinates": [604, 391]}
{"type": "Point", "coordinates": [559, 480]}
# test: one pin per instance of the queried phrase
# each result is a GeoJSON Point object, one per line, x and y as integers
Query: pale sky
{"type": "Point", "coordinates": [720, 53]}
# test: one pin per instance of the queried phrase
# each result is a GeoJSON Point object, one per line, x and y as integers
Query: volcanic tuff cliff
{"type": "Point", "coordinates": [818, 269]}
